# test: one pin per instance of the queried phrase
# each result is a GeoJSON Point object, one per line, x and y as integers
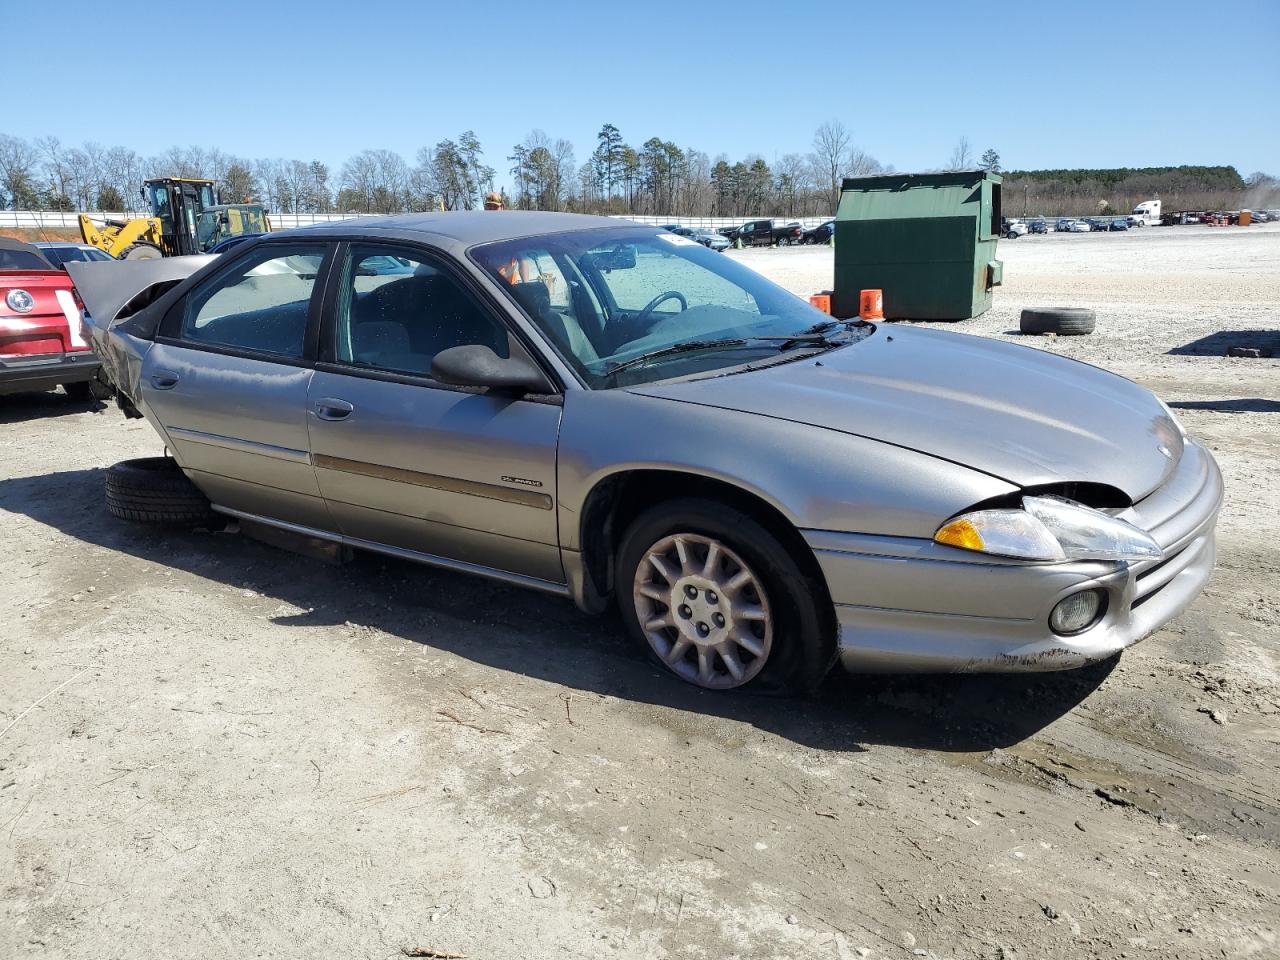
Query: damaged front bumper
{"type": "Point", "coordinates": [905, 605]}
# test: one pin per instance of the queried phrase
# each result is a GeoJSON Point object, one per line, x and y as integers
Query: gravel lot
{"type": "Point", "coordinates": [212, 747]}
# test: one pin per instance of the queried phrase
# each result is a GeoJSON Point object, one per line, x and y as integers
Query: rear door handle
{"type": "Point", "coordinates": [164, 379]}
{"type": "Point", "coordinates": [331, 408]}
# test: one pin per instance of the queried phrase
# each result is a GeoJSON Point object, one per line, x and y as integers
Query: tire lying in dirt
{"type": "Point", "coordinates": [1064, 321]}
{"type": "Point", "coordinates": [155, 490]}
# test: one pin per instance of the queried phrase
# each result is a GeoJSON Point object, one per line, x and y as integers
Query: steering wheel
{"type": "Point", "coordinates": [661, 298]}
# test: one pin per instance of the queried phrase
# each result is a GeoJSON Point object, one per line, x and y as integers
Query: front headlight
{"type": "Point", "coordinates": [1050, 529]}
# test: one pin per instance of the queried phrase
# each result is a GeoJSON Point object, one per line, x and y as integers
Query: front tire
{"type": "Point", "coordinates": [715, 598]}
{"type": "Point", "coordinates": [141, 251]}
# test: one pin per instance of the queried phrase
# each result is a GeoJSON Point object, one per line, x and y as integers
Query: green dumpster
{"type": "Point", "coordinates": [927, 240]}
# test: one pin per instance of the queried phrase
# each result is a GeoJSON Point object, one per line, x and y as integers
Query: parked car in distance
{"type": "Point", "coordinates": [1037, 225]}
{"type": "Point", "coordinates": [41, 346]}
{"type": "Point", "coordinates": [1078, 226]}
{"type": "Point", "coordinates": [58, 252]}
{"type": "Point", "coordinates": [822, 233]}
{"type": "Point", "coordinates": [709, 238]}
{"type": "Point", "coordinates": [766, 233]}
{"type": "Point", "coordinates": [1063, 225]}
{"type": "Point", "coordinates": [222, 246]}
{"type": "Point", "coordinates": [634, 420]}
{"type": "Point", "coordinates": [1118, 223]}
{"type": "Point", "coordinates": [1013, 229]}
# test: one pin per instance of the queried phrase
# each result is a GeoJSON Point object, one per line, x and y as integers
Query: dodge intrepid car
{"type": "Point", "coordinates": [615, 413]}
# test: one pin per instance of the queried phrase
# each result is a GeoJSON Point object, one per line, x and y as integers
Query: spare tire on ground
{"type": "Point", "coordinates": [1064, 321]}
{"type": "Point", "coordinates": [155, 490]}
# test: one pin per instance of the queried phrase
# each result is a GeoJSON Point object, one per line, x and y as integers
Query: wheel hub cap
{"type": "Point", "coordinates": [703, 611]}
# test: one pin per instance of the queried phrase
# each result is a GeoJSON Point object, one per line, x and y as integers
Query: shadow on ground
{"type": "Point", "coordinates": [19, 407]}
{"type": "Point", "coordinates": [1217, 344]}
{"type": "Point", "coordinates": [545, 637]}
{"type": "Point", "coordinates": [1243, 405]}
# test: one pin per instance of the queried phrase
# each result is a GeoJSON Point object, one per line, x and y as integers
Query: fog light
{"type": "Point", "coordinates": [1077, 612]}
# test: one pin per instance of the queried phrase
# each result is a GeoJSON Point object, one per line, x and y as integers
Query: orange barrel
{"type": "Point", "coordinates": [822, 301]}
{"type": "Point", "coordinates": [871, 305]}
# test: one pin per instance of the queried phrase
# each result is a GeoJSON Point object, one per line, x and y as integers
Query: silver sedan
{"type": "Point", "coordinates": [616, 414]}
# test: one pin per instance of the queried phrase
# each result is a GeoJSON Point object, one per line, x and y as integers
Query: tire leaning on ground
{"type": "Point", "coordinates": [713, 596]}
{"type": "Point", "coordinates": [1064, 321]}
{"type": "Point", "coordinates": [155, 490]}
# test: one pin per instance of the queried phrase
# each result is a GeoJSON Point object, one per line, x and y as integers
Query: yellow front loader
{"type": "Point", "coordinates": [185, 219]}
{"type": "Point", "coordinates": [137, 239]}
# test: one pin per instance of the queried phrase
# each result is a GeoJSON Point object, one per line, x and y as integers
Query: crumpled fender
{"type": "Point", "coordinates": [116, 292]}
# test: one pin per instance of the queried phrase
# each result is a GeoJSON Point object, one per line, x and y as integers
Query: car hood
{"type": "Point", "coordinates": [1017, 413]}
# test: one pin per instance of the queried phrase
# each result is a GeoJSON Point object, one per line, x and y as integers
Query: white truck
{"type": "Point", "coordinates": [1145, 214]}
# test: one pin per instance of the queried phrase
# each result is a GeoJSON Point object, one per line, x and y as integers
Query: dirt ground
{"type": "Point", "coordinates": [214, 748]}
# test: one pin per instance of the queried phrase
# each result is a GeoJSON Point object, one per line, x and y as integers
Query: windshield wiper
{"type": "Point", "coordinates": [683, 347]}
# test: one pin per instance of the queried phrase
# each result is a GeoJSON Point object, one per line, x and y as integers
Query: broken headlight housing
{"type": "Point", "coordinates": [1050, 529]}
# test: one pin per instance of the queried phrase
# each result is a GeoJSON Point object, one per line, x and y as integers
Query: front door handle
{"type": "Point", "coordinates": [331, 408]}
{"type": "Point", "coordinates": [164, 379]}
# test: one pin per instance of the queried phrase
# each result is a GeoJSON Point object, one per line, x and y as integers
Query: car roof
{"type": "Point", "coordinates": [46, 244]}
{"type": "Point", "coordinates": [466, 227]}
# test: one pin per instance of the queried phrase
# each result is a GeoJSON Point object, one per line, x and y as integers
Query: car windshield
{"type": "Point", "coordinates": [608, 297]}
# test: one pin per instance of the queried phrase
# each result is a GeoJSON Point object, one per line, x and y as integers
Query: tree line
{"type": "Point", "coordinates": [656, 176]}
{"type": "Point", "coordinates": [653, 176]}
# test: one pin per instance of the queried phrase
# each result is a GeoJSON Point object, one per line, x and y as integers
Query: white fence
{"type": "Point", "coordinates": [46, 219]}
{"type": "Point", "coordinates": [52, 219]}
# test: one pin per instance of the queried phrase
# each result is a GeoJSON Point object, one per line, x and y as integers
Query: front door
{"type": "Point", "coordinates": [405, 461]}
{"type": "Point", "coordinates": [227, 380]}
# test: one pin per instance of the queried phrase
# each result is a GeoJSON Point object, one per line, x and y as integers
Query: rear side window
{"type": "Point", "coordinates": [396, 311]}
{"type": "Point", "coordinates": [258, 303]}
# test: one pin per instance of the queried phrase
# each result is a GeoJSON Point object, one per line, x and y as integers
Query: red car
{"type": "Point", "coordinates": [40, 342]}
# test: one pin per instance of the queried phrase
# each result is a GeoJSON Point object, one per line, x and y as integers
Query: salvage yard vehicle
{"type": "Point", "coordinates": [766, 233]}
{"type": "Point", "coordinates": [185, 219]}
{"type": "Point", "coordinates": [709, 238]}
{"type": "Point", "coordinates": [612, 413]}
{"type": "Point", "coordinates": [1013, 229]}
{"type": "Point", "coordinates": [59, 252]}
{"type": "Point", "coordinates": [822, 233]}
{"type": "Point", "coordinates": [40, 343]}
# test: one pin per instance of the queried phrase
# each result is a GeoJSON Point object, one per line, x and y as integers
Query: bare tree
{"type": "Point", "coordinates": [961, 156]}
{"type": "Point", "coordinates": [17, 172]}
{"type": "Point", "coordinates": [830, 148]}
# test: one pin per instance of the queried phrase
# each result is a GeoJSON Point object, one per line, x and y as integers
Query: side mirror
{"type": "Point", "coordinates": [474, 365]}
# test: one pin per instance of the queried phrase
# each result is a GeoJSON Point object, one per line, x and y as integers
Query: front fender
{"type": "Point", "coordinates": [817, 478]}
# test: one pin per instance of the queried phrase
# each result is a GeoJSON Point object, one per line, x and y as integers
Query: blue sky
{"type": "Point", "coordinates": [1061, 84]}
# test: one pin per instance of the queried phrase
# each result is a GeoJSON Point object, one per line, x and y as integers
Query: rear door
{"type": "Point", "coordinates": [409, 462]}
{"type": "Point", "coordinates": [227, 380]}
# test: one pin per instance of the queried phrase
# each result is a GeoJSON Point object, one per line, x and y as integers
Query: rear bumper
{"type": "Point", "coordinates": [912, 605]}
{"type": "Point", "coordinates": [20, 374]}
